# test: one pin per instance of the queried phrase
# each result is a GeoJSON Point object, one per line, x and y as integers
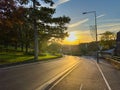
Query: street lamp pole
{"type": "Point", "coordinates": [94, 12]}
{"type": "Point", "coordinates": [35, 34]}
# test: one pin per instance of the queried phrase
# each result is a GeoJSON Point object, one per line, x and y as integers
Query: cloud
{"type": "Point", "coordinates": [83, 21]}
{"type": "Point", "coordinates": [115, 30]}
{"type": "Point", "coordinates": [60, 2]}
{"type": "Point", "coordinates": [109, 25]}
{"type": "Point", "coordinates": [112, 27]}
{"type": "Point", "coordinates": [102, 15]}
{"type": "Point", "coordinates": [111, 20]}
{"type": "Point", "coordinates": [78, 23]}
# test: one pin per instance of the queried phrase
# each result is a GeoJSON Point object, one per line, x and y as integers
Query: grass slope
{"type": "Point", "coordinates": [14, 57]}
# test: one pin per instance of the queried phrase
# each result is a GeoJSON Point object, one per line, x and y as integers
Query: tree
{"type": "Point", "coordinates": [16, 23]}
{"type": "Point", "coordinates": [54, 48]}
{"type": "Point", "coordinates": [10, 17]}
{"type": "Point", "coordinates": [107, 40]}
{"type": "Point", "coordinates": [47, 25]}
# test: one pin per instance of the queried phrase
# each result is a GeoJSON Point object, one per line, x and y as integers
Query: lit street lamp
{"type": "Point", "coordinates": [94, 12]}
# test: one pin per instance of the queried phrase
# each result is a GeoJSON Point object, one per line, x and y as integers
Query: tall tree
{"type": "Point", "coordinates": [10, 16]}
{"type": "Point", "coordinates": [47, 25]}
{"type": "Point", "coordinates": [16, 22]}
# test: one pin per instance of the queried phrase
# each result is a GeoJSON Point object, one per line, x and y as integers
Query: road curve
{"type": "Point", "coordinates": [31, 76]}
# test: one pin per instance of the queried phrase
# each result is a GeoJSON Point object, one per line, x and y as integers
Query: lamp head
{"type": "Point", "coordinates": [84, 13]}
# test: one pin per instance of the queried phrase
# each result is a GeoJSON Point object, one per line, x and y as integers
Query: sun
{"type": "Point", "coordinates": [72, 37]}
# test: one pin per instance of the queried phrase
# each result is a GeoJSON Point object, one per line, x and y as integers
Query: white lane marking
{"type": "Point", "coordinates": [62, 77]}
{"type": "Point", "coordinates": [109, 88]}
{"type": "Point", "coordinates": [42, 87]}
{"type": "Point", "coordinates": [81, 85]}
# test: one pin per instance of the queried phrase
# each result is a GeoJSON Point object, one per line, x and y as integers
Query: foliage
{"type": "Point", "coordinates": [54, 48]}
{"type": "Point", "coordinates": [107, 40]}
{"type": "Point", "coordinates": [88, 48]}
{"type": "Point", "coordinates": [16, 23]}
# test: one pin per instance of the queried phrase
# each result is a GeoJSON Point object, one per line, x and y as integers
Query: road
{"type": "Point", "coordinates": [90, 76]}
{"type": "Point", "coordinates": [31, 76]}
{"type": "Point", "coordinates": [86, 75]}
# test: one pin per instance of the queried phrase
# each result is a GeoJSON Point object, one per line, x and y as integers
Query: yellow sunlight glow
{"type": "Point", "coordinates": [72, 37]}
{"type": "Point", "coordinates": [76, 38]}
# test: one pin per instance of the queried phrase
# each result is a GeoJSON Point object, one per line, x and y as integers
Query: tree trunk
{"type": "Point", "coordinates": [26, 47]}
{"type": "Point", "coordinates": [22, 47]}
{"type": "Point", "coordinates": [16, 46]}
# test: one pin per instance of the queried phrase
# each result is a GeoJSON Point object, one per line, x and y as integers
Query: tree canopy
{"type": "Point", "coordinates": [107, 40]}
{"type": "Point", "coordinates": [16, 22]}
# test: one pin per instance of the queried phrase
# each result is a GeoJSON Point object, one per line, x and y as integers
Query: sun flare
{"type": "Point", "coordinates": [72, 37]}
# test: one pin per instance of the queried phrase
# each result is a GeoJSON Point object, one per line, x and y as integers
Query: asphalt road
{"type": "Point", "coordinates": [90, 76]}
{"type": "Point", "coordinates": [31, 76]}
{"type": "Point", "coordinates": [86, 76]}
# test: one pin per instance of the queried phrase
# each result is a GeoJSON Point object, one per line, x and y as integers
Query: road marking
{"type": "Point", "coordinates": [81, 85]}
{"type": "Point", "coordinates": [106, 82]}
{"type": "Point", "coordinates": [59, 77]}
{"type": "Point", "coordinates": [62, 78]}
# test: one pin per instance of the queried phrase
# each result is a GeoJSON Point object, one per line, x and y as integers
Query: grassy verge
{"type": "Point", "coordinates": [19, 57]}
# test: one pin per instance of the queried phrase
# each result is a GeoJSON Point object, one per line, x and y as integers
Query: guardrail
{"type": "Point", "coordinates": [114, 60]}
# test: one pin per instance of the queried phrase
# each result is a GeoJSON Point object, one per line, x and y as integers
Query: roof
{"type": "Point", "coordinates": [110, 51]}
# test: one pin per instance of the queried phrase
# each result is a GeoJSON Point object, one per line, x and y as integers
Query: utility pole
{"type": "Point", "coordinates": [94, 12]}
{"type": "Point", "coordinates": [96, 35]}
{"type": "Point", "coordinates": [35, 33]}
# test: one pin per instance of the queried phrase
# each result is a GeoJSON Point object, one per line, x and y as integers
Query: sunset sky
{"type": "Point", "coordinates": [108, 17]}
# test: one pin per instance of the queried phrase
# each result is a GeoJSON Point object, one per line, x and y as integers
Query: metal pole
{"type": "Point", "coordinates": [35, 34]}
{"type": "Point", "coordinates": [96, 35]}
{"type": "Point", "coordinates": [95, 31]}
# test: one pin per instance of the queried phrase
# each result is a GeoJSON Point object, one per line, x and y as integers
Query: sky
{"type": "Point", "coordinates": [107, 11]}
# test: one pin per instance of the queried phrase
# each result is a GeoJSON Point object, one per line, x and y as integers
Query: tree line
{"type": "Point", "coordinates": [16, 23]}
{"type": "Point", "coordinates": [107, 40]}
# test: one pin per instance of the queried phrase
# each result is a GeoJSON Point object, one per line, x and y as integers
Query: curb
{"type": "Point", "coordinates": [26, 62]}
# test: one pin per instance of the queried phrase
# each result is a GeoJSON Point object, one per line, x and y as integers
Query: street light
{"type": "Point", "coordinates": [94, 12]}
{"type": "Point", "coordinates": [35, 34]}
